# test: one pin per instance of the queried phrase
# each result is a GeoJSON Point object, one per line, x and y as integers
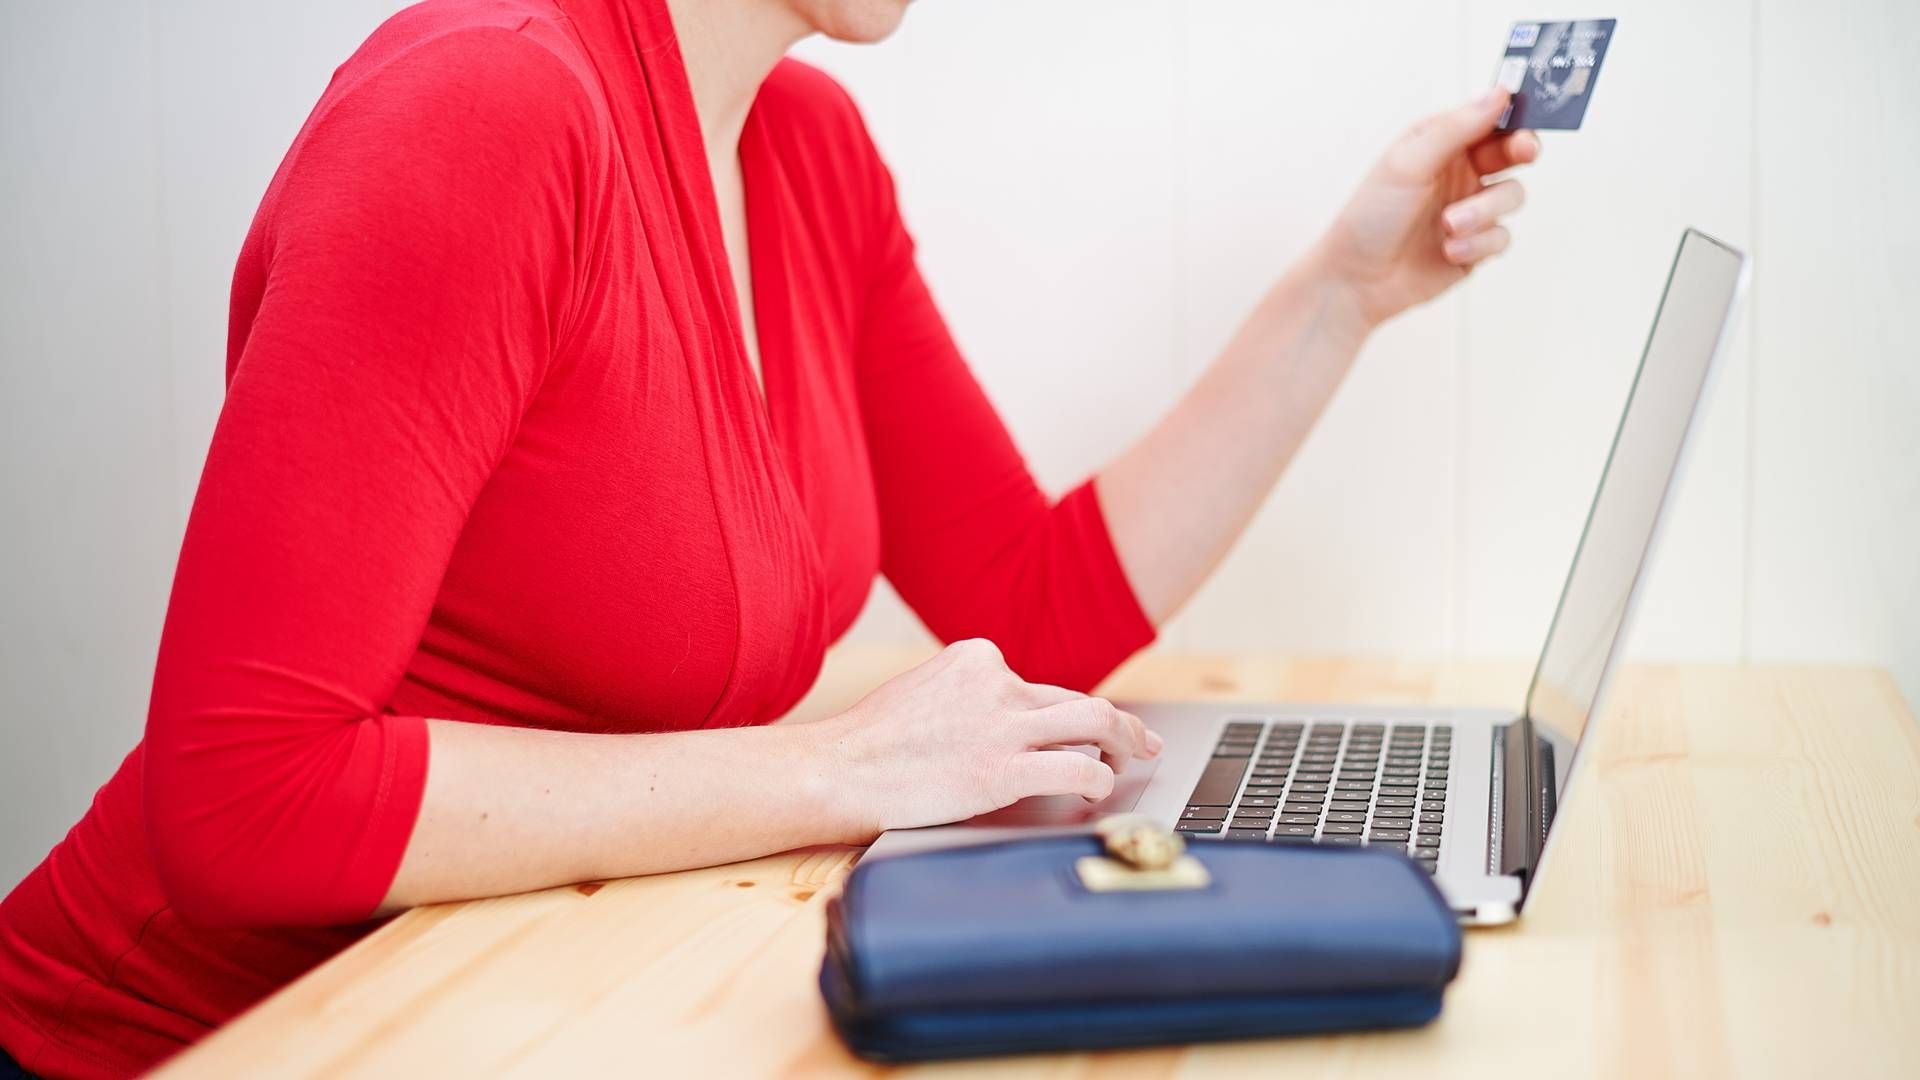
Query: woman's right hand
{"type": "Point", "coordinates": [962, 735]}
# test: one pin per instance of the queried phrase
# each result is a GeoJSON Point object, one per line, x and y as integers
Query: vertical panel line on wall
{"type": "Point", "coordinates": [1182, 254]}
{"type": "Point", "coordinates": [163, 240]}
{"type": "Point", "coordinates": [1461, 362]}
{"type": "Point", "coordinates": [1749, 495]}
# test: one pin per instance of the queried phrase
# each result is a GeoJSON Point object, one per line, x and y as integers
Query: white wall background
{"type": "Point", "coordinates": [1101, 188]}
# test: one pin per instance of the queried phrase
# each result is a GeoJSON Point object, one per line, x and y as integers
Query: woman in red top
{"type": "Point", "coordinates": [580, 381]}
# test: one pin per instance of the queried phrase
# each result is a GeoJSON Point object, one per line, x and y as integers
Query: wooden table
{"type": "Point", "coordinates": [1738, 895]}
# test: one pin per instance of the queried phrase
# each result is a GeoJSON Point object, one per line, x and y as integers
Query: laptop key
{"type": "Point", "coordinates": [1398, 836]}
{"type": "Point", "coordinates": [1293, 830]}
{"type": "Point", "coordinates": [1198, 826]}
{"type": "Point", "coordinates": [1203, 813]}
{"type": "Point", "coordinates": [1258, 800]}
{"type": "Point", "coordinates": [1427, 841]}
{"type": "Point", "coordinates": [1299, 819]}
{"type": "Point", "coordinates": [1394, 812]}
{"type": "Point", "coordinates": [1246, 834]}
{"type": "Point", "coordinates": [1266, 791]}
{"type": "Point", "coordinates": [1347, 815]}
{"type": "Point", "coordinates": [1341, 841]}
{"type": "Point", "coordinates": [1432, 817]}
{"type": "Point", "coordinates": [1337, 828]}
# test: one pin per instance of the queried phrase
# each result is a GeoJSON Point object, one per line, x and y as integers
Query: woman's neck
{"type": "Point", "coordinates": [729, 46]}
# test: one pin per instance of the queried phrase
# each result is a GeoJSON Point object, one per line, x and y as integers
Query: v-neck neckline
{"type": "Point", "coordinates": [661, 41]}
{"type": "Point", "coordinates": [758, 233]}
{"type": "Point", "coordinates": [758, 495]}
{"type": "Point", "coordinates": [707, 200]}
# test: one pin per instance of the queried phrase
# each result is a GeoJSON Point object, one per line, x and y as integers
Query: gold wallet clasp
{"type": "Point", "coordinates": [1141, 857]}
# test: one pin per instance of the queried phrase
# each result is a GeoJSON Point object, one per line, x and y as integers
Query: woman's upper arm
{"type": "Point", "coordinates": [968, 538]}
{"type": "Point", "coordinates": [417, 265]}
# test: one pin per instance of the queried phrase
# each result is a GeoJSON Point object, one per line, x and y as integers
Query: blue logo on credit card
{"type": "Point", "coordinates": [1523, 36]}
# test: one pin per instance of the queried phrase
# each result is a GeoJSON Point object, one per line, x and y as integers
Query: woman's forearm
{"type": "Point", "coordinates": [511, 809]}
{"type": "Point", "coordinates": [1420, 220]}
{"type": "Point", "coordinates": [1177, 499]}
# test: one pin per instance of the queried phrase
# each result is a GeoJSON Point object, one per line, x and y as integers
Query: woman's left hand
{"type": "Point", "coordinates": [1425, 215]}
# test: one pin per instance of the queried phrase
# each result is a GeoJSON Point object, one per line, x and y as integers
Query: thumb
{"type": "Point", "coordinates": [1440, 137]}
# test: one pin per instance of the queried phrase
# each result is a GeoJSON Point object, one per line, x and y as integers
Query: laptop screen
{"type": "Point", "coordinates": [1608, 565]}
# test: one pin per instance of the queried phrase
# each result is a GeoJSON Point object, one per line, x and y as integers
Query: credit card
{"type": "Point", "coordinates": [1550, 69]}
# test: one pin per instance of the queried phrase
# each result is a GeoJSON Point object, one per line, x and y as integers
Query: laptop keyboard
{"type": "Point", "coordinates": [1325, 782]}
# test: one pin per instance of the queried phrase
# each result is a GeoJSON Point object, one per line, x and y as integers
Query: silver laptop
{"type": "Point", "coordinates": [1468, 793]}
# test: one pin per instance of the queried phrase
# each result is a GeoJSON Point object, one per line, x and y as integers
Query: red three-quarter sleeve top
{"type": "Point", "coordinates": [492, 451]}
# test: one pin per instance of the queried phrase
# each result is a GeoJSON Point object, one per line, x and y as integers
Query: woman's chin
{"type": "Point", "coordinates": [859, 22]}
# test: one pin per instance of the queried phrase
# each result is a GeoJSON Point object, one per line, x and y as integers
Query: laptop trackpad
{"type": "Point", "coordinates": [1072, 809]}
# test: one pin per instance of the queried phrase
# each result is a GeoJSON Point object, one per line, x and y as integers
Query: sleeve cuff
{"type": "Point", "coordinates": [1115, 626]}
{"type": "Point", "coordinates": [369, 873]}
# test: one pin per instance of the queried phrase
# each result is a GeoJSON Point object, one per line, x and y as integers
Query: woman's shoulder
{"type": "Point", "coordinates": [814, 134]}
{"type": "Point", "coordinates": [803, 107]}
{"type": "Point", "coordinates": [446, 63]}
{"type": "Point", "coordinates": [453, 117]}
{"type": "Point", "coordinates": [795, 86]}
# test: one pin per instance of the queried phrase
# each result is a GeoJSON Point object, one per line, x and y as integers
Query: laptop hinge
{"type": "Point", "coordinates": [1519, 799]}
{"type": "Point", "coordinates": [1527, 799]}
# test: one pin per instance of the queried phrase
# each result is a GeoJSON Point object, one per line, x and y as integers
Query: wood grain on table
{"type": "Point", "coordinates": [1736, 892]}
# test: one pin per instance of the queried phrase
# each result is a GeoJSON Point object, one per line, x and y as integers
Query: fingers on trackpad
{"type": "Point", "coordinates": [1072, 809]}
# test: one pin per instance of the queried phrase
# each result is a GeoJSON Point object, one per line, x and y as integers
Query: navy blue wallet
{"type": "Point", "coordinates": [1001, 948]}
